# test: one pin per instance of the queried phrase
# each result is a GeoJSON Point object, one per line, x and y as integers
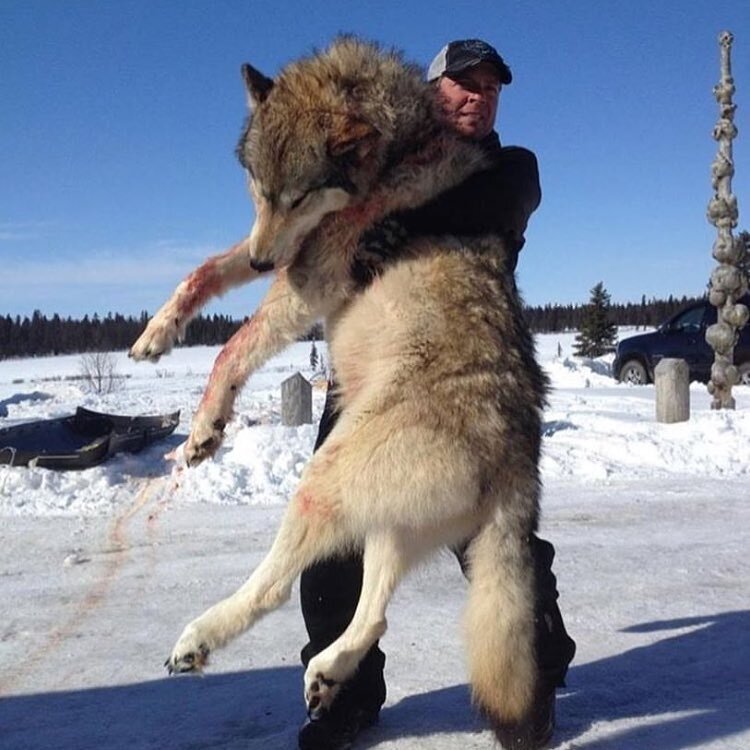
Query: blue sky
{"type": "Point", "coordinates": [118, 122]}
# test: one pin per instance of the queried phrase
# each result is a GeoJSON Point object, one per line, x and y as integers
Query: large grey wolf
{"type": "Point", "coordinates": [440, 394]}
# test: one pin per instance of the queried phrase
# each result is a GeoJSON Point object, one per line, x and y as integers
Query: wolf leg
{"type": "Point", "coordinates": [388, 555]}
{"type": "Point", "coordinates": [214, 277]}
{"type": "Point", "coordinates": [409, 490]}
{"type": "Point", "coordinates": [312, 528]}
{"type": "Point", "coordinates": [281, 318]}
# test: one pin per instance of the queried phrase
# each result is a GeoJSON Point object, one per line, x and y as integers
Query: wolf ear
{"type": "Point", "coordinates": [351, 134]}
{"type": "Point", "coordinates": [258, 86]}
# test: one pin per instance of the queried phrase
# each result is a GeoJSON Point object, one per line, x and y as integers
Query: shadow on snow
{"type": "Point", "coordinates": [699, 678]}
{"type": "Point", "coordinates": [703, 674]}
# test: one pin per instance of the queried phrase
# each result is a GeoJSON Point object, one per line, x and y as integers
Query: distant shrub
{"type": "Point", "coordinates": [99, 372]}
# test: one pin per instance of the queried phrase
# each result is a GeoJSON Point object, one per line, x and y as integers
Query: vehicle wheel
{"type": "Point", "coordinates": [633, 372]}
{"type": "Point", "coordinates": [745, 373]}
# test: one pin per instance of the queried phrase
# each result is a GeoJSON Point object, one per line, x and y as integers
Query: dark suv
{"type": "Point", "coordinates": [683, 336]}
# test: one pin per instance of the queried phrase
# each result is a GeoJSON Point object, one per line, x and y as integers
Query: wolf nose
{"type": "Point", "coordinates": [261, 266]}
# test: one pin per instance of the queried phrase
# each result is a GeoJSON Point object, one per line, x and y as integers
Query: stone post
{"type": "Point", "coordinates": [296, 401]}
{"type": "Point", "coordinates": [728, 281]}
{"type": "Point", "coordinates": [672, 381]}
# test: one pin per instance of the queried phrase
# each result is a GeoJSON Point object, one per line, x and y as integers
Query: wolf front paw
{"type": "Point", "coordinates": [161, 333]}
{"type": "Point", "coordinates": [189, 655]}
{"type": "Point", "coordinates": [205, 438]}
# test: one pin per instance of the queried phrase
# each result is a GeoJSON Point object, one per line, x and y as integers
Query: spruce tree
{"type": "Point", "coordinates": [598, 335]}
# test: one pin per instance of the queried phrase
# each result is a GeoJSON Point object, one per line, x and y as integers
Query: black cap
{"type": "Point", "coordinates": [463, 54]}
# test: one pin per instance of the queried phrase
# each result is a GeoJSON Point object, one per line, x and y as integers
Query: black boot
{"type": "Point", "coordinates": [336, 729]}
{"type": "Point", "coordinates": [555, 649]}
{"type": "Point", "coordinates": [535, 732]}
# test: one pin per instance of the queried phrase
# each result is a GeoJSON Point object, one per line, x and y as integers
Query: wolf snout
{"type": "Point", "coordinates": [261, 266]}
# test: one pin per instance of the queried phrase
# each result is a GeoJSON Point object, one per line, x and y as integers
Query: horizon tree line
{"type": "Point", "coordinates": [40, 335]}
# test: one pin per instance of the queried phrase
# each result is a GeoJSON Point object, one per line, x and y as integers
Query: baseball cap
{"type": "Point", "coordinates": [462, 54]}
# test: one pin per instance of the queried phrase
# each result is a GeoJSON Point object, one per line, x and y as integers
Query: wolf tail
{"type": "Point", "coordinates": [499, 622]}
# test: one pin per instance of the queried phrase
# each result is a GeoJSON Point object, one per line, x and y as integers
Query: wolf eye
{"type": "Point", "coordinates": [341, 181]}
{"type": "Point", "coordinates": [298, 201]}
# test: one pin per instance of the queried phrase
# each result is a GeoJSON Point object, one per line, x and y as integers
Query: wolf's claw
{"type": "Point", "coordinates": [148, 350]}
{"type": "Point", "coordinates": [161, 333]}
{"type": "Point", "coordinates": [189, 662]}
{"type": "Point", "coordinates": [197, 454]}
{"type": "Point", "coordinates": [205, 439]}
{"type": "Point", "coordinates": [319, 694]}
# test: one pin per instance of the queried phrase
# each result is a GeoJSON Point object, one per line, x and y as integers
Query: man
{"type": "Point", "coordinates": [468, 76]}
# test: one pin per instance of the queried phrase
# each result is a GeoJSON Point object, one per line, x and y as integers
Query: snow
{"type": "Point", "coordinates": [100, 569]}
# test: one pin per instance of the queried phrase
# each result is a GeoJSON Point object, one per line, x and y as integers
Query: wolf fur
{"type": "Point", "coordinates": [439, 391]}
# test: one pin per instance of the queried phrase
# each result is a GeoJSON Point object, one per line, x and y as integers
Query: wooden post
{"type": "Point", "coordinates": [672, 380]}
{"type": "Point", "coordinates": [728, 281]}
{"type": "Point", "coordinates": [296, 401]}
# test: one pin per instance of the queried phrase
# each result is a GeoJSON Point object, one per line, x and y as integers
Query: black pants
{"type": "Point", "coordinates": [329, 592]}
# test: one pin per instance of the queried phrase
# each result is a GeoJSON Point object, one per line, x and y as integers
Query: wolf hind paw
{"type": "Point", "coordinates": [187, 658]}
{"type": "Point", "coordinates": [320, 693]}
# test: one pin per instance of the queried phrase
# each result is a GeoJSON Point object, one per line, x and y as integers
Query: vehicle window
{"type": "Point", "coordinates": [690, 321]}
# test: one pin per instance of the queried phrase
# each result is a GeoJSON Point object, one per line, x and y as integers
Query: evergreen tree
{"type": "Point", "coordinates": [598, 334]}
{"type": "Point", "coordinates": [313, 357]}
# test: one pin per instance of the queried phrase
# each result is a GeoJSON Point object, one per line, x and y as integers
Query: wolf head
{"type": "Point", "coordinates": [320, 134]}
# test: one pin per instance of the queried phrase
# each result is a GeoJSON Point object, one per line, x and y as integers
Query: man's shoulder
{"type": "Point", "coordinates": [518, 157]}
{"type": "Point", "coordinates": [492, 146]}
{"type": "Point", "coordinates": [521, 152]}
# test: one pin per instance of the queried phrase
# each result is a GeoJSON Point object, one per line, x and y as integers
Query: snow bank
{"type": "Point", "coordinates": [595, 429]}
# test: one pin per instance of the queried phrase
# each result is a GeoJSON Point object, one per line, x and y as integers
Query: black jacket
{"type": "Point", "coordinates": [498, 200]}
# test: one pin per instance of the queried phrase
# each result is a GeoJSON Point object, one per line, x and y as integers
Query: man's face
{"type": "Point", "coordinates": [469, 100]}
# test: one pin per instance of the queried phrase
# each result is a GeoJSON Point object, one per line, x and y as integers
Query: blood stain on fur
{"type": "Point", "coordinates": [203, 284]}
{"type": "Point", "coordinates": [314, 506]}
{"type": "Point", "coordinates": [306, 503]}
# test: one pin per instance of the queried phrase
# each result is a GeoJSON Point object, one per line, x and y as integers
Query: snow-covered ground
{"type": "Point", "coordinates": [100, 569]}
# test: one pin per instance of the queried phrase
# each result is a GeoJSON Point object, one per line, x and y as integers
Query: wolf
{"type": "Point", "coordinates": [439, 392]}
